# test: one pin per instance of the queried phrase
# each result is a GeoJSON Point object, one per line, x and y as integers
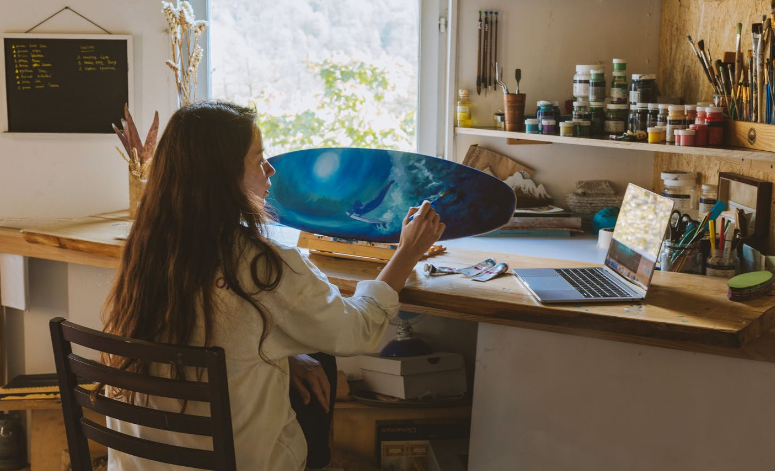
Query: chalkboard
{"type": "Point", "coordinates": [66, 83]}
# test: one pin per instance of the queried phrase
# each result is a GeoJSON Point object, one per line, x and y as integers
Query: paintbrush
{"type": "Point", "coordinates": [702, 63]}
{"type": "Point", "coordinates": [738, 54]}
{"type": "Point", "coordinates": [713, 79]}
{"type": "Point", "coordinates": [485, 62]}
{"type": "Point", "coordinates": [731, 76]}
{"type": "Point", "coordinates": [479, 56]}
{"type": "Point", "coordinates": [518, 77]}
{"type": "Point", "coordinates": [495, 41]}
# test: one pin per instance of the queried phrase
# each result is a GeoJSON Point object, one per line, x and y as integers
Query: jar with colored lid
{"type": "Point", "coordinates": [684, 137]}
{"type": "Point", "coordinates": [597, 117]}
{"type": "Point", "coordinates": [663, 130]}
{"type": "Point", "coordinates": [583, 128]}
{"type": "Point", "coordinates": [643, 89]}
{"type": "Point", "coordinates": [680, 186]}
{"type": "Point", "coordinates": [531, 126]}
{"type": "Point", "coordinates": [676, 120]}
{"type": "Point", "coordinates": [708, 198]}
{"type": "Point", "coordinates": [691, 113]}
{"type": "Point", "coordinates": [548, 126]}
{"type": "Point", "coordinates": [581, 81]}
{"type": "Point", "coordinates": [597, 85]}
{"type": "Point", "coordinates": [715, 120]}
{"type": "Point", "coordinates": [615, 118]}
{"type": "Point", "coordinates": [620, 65]}
{"type": "Point", "coordinates": [700, 116]}
{"type": "Point", "coordinates": [663, 113]}
{"type": "Point", "coordinates": [545, 111]}
{"type": "Point", "coordinates": [619, 89]}
{"type": "Point", "coordinates": [581, 110]}
{"type": "Point", "coordinates": [568, 129]}
{"type": "Point", "coordinates": [654, 135]}
{"type": "Point", "coordinates": [700, 134]}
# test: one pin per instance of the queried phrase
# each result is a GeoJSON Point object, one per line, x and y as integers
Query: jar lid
{"type": "Point", "coordinates": [654, 129]}
{"type": "Point", "coordinates": [690, 107]}
{"type": "Point", "coordinates": [584, 69]}
{"type": "Point", "coordinates": [715, 109]}
{"type": "Point", "coordinates": [462, 92]}
{"type": "Point", "coordinates": [615, 106]}
{"type": "Point", "coordinates": [597, 72]}
{"type": "Point", "coordinates": [619, 73]}
{"type": "Point", "coordinates": [685, 132]}
{"type": "Point", "coordinates": [531, 121]}
{"type": "Point", "coordinates": [676, 107]}
{"type": "Point", "coordinates": [663, 106]}
{"type": "Point", "coordinates": [644, 77]}
{"type": "Point", "coordinates": [619, 61]}
{"type": "Point", "coordinates": [597, 104]}
{"type": "Point", "coordinates": [642, 106]}
{"type": "Point", "coordinates": [708, 186]}
{"type": "Point", "coordinates": [567, 124]}
{"type": "Point", "coordinates": [580, 103]}
{"type": "Point", "coordinates": [676, 175]}
{"type": "Point", "coordinates": [584, 123]}
{"type": "Point", "coordinates": [543, 102]}
{"type": "Point", "coordinates": [703, 104]}
{"type": "Point", "coordinates": [548, 121]}
{"type": "Point", "coordinates": [653, 106]}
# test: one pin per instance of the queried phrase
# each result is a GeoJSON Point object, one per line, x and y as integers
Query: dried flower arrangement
{"type": "Point", "coordinates": [139, 156]}
{"type": "Point", "coordinates": [185, 32]}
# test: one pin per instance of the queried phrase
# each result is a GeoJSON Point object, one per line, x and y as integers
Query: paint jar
{"type": "Point", "coordinates": [499, 118]}
{"type": "Point", "coordinates": [708, 198]}
{"type": "Point", "coordinates": [568, 129]}
{"type": "Point", "coordinates": [619, 89]}
{"type": "Point", "coordinates": [676, 120]}
{"type": "Point", "coordinates": [531, 126]}
{"type": "Point", "coordinates": [653, 114]}
{"type": "Point", "coordinates": [548, 126]}
{"type": "Point", "coordinates": [681, 258]}
{"type": "Point", "coordinates": [700, 117]}
{"type": "Point", "coordinates": [556, 110]}
{"type": "Point", "coordinates": [596, 85]}
{"type": "Point", "coordinates": [463, 109]}
{"type": "Point", "coordinates": [663, 114]}
{"type": "Point", "coordinates": [643, 89]}
{"type": "Point", "coordinates": [583, 128]}
{"type": "Point", "coordinates": [597, 117]}
{"type": "Point", "coordinates": [620, 65]}
{"type": "Point", "coordinates": [684, 137]}
{"type": "Point", "coordinates": [722, 263]}
{"type": "Point", "coordinates": [679, 186]}
{"type": "Point", "coordinates": [722, 101]}
{"type": "Point", "coordinates": [691, 113]}
{"type": "Point", "coordinates": [581, 111]}
{"type": "Point", "coordinates": [639, 118]}
{"type": "Point", "coordinates": [615, 118]}
{"type": "Point", "coordinates": [655, 135]}
{"type": "Point", "coordinates": [663, 130]}
{"type": "Point", "coordinates": [701, 134]}
{"type": "Point", "coordinates": [715, 120]}
{"type": "Point", "coordinates": [545, 111]}
{"type": "Point", "coordinates": [581, 81]}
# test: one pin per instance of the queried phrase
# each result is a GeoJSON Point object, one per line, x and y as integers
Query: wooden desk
{"type": "Point", "coordinates": [685, 312]}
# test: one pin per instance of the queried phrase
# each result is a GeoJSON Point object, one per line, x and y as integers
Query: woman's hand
{"type": "Point", "coordinates": [307, 375]}
{"type": "Point", "coordinates": [424, 228]}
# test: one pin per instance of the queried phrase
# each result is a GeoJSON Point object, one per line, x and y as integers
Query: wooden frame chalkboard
{"type": "Point", "coordinates": [65, 83]}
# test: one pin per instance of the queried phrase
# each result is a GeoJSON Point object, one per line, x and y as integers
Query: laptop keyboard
{"type": "Point", "coordinates": [591, 283]}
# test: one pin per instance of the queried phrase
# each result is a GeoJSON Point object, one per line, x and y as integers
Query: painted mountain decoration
{"type": "Point", "coordinates": [529, 195]}
{"type": "Point", "coordinates": [364, 194]}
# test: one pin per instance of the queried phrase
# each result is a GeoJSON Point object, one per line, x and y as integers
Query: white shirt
{"type": "Point", "coordinates": [308, 315]}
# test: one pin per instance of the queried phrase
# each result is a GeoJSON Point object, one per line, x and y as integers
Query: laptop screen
{"type": "Point", "coordinates": [640, 229]}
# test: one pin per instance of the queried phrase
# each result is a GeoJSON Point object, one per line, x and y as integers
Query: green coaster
{"type": "Point", "coordinates": [750, 280]}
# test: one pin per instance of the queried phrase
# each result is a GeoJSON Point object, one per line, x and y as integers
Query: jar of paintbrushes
{"type": "Point", "coordinates": [681, 258]}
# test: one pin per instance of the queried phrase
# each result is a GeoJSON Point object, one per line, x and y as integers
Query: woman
{"type": "Point", "coordinates": [198, 269]}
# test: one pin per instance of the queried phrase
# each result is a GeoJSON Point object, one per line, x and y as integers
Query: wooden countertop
{"type": "Point", "coordinates": [686, 312]}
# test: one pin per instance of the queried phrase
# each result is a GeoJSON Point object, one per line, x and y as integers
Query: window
{"type": "Point", "coordinates": [329, 73]}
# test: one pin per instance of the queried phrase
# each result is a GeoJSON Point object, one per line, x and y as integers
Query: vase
{"type": "Point", "coordinates": [136, 189]}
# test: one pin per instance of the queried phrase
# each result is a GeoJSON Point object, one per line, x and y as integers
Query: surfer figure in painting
{"type": "Point", "coordinates": [360, 209]}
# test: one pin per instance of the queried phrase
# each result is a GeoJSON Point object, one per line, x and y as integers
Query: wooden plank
{"type": "Point", "coordinates": [93, 235]}
{"type": "Point", "coordinates": [12, 241]}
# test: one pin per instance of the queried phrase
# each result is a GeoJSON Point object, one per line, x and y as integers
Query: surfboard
{"type": "Point", "coordinates": [364, 194]}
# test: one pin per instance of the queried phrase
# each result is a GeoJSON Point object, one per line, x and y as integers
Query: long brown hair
{"type": "Point", "coordinates": [192, 212]}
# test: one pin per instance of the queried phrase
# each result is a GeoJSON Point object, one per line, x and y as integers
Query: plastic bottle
{"type": "Point", "coordinates": [581, 81]}
{"type": "Point", "coordinates": [680, 186]}
{"type": "Point", "coordinates": [581, 110]}
{"type": "Point", "coordinates": [676, 120]}
{"type": "Point", "coordinates": [708, 198]}
{"type": "Point", "coordinates": [653, 114]}
{"type": "Point", "coordinates": [597, 85]}
{"type": "Point", "coordinates": [545, 111]}
{"type": "Point", "coordinates": [463, 109]}
{"type": "Point", "coordinates": [619, 89]}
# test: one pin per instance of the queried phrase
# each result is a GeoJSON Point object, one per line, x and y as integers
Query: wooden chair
{"type": "Point", "coordinates": [75, 398]}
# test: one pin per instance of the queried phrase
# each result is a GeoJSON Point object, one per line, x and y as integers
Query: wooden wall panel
{"type": "Point", "coordinates": [714, 21]}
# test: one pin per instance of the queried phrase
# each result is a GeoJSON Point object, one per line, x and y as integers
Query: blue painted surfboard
{"type": "Point", "coordinates": [364, 194]}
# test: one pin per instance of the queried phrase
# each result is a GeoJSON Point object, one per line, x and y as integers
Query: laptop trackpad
{"type": "Point", "coordinates": [548, 283]}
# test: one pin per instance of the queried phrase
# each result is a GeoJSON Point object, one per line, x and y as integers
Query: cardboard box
{"type": "Point", "coordinates": [439, 383]}
{"type": "Point", "coordinates": [405, 444]}
{"type": "Point", "coordinates": [440, 361]}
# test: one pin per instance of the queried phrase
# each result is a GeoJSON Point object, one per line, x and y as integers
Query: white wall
{"type": "Point", "coordinates": [546, 39]}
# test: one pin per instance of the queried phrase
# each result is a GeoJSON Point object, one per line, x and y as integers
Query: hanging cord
{"type": "Point", "coordinates": [68, 8]}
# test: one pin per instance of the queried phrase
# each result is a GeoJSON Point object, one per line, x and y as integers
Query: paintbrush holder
{"type": "Point", "coordinates": [680, 258]}
{"type": "Point", "coordinates": [514, 111]}
{"type": "Point", "coordinates": [751, 135]}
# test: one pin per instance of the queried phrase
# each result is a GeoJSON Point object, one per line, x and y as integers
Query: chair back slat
{"type": "Point", "coordinates": [74, 398]}
{"type": "Point", "coordinates": [171, 421]}
{"type": "Point", "coordinates": [132, 348]}
{"type": "Point", "coordinates": [171, 454]}
{"type": "Point", "coordinates": [178, 389]}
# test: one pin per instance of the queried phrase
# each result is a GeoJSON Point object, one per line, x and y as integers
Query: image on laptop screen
{"type": "Point", "coordinates": [638, 235]}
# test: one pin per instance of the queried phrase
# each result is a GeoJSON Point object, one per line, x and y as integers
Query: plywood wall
{"type": "Point", "coordinates": [680, 74]}
{"type": "Point", "coordinates": [715, 22]}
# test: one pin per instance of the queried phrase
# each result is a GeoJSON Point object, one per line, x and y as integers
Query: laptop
{"type": "Point", "coordinates": [629, 263]}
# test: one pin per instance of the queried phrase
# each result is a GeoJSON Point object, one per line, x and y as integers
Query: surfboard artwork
{"type": "Point", "coordinates": [364, 194]}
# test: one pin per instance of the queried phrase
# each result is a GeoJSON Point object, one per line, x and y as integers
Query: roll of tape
{"type": "Point", "coordinates": [604, 237]}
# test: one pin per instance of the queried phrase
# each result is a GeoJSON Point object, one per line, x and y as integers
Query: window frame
{"type": "Point", "coordinates": [434, 126]}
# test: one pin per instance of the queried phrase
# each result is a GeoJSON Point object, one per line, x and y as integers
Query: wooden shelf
{"type": "Point", "coordinates": [734, 152]}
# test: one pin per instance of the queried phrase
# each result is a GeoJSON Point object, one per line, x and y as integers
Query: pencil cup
{"type": "Point", "coordinates": [514, 111]}
{"type": "Point", "coordinates": [681, 258]}
{"type": "Point", "coordinates": [722, 263]}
